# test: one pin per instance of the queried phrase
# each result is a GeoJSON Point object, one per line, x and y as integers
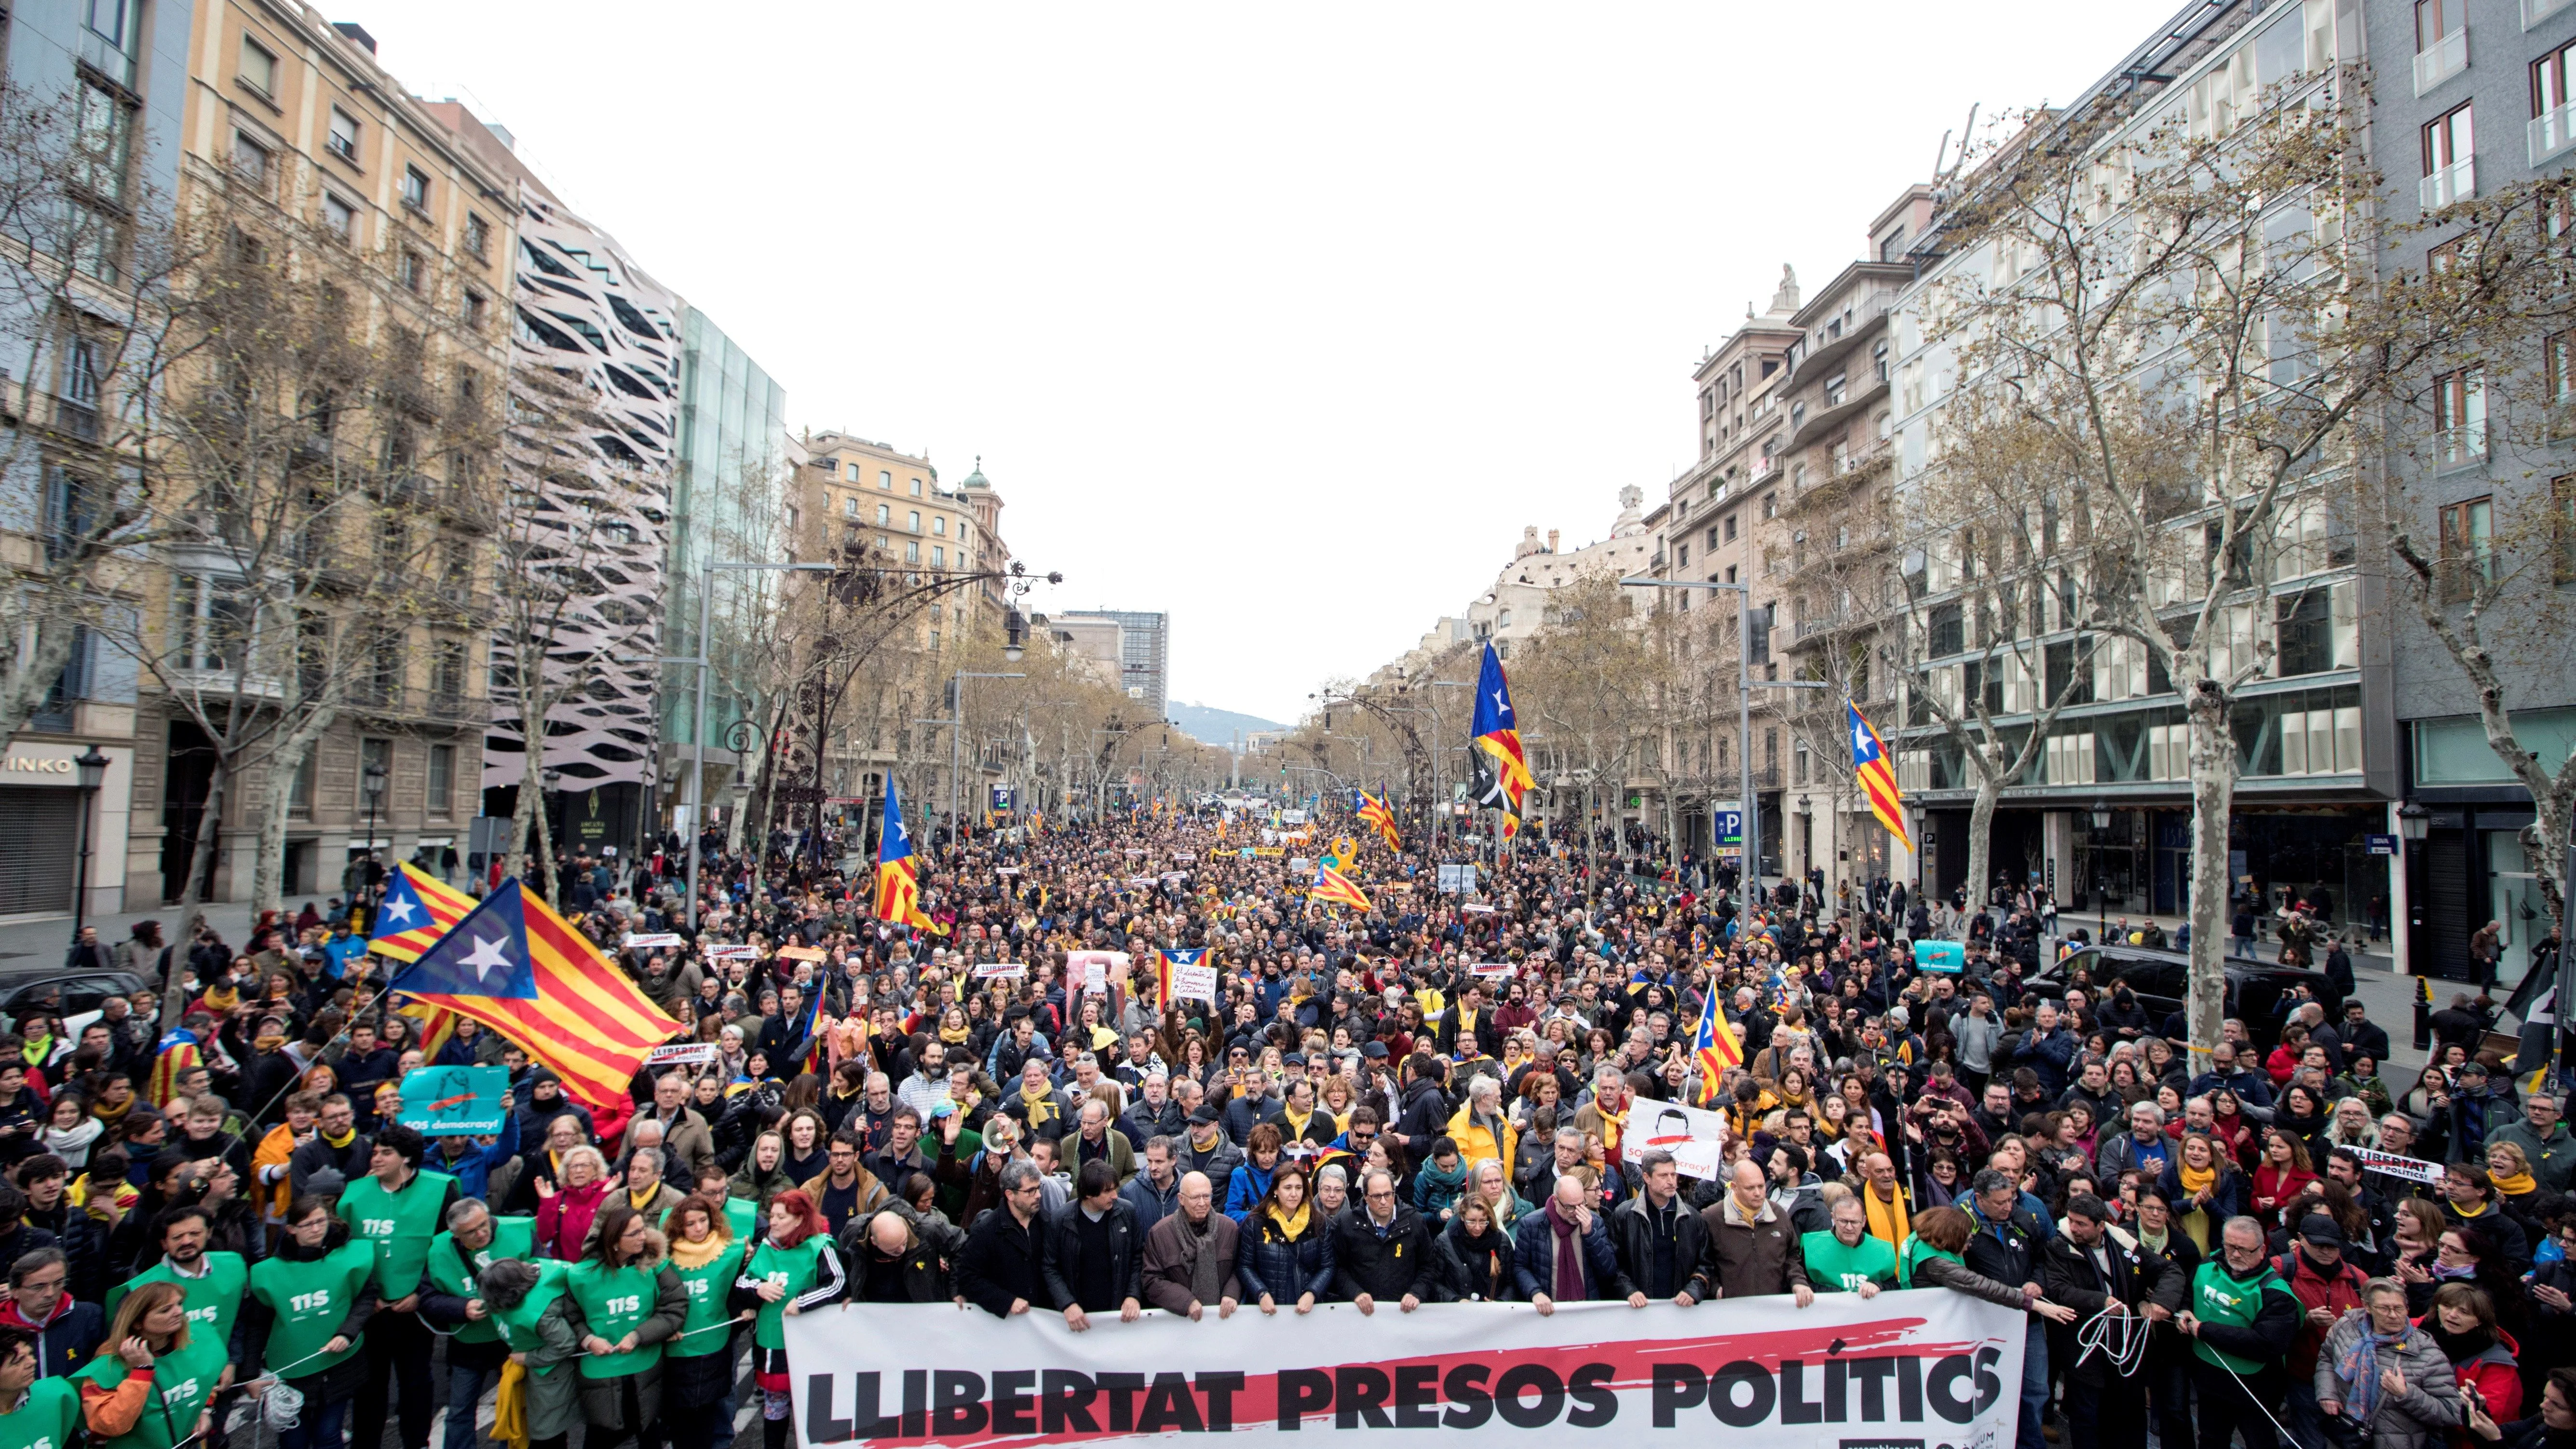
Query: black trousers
{"type": "Point", "coordinates": [2229, 1405]}
{"type": "Point", "coordinates": [630, 1408]}
{"type": "Point", "coordinates": [399, 1348]}
{"type": "Point", "coordinates": [2107, 1415]}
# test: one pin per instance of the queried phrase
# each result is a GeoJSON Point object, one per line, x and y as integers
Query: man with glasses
{"type": "Point", "coordinates": [2241, 1319]}
{"type": "Point", "coordinates": [41, 1306]}
{"type": "Point", "coordinates": [1381, 1250]}
{"type": "Point", "coordinates": [2545, 1141]}
{"type": "Point", "coordinates": [845, 1189]}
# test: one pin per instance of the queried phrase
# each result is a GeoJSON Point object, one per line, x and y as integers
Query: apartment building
{"type": "Point", "coordinates": [2104, 815]}
{"type": "Point", "coordinates": [121, 66]}
{"type": "Point", "coordinates": [324, 171]}
{"type": "Point", "coordinates": [2472, 97]}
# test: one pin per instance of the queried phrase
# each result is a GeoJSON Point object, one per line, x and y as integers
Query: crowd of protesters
{"type": "Point", "coordinates": [207, 1193]}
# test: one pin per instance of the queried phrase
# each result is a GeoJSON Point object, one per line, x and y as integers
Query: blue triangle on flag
{"type": "Point", "coordinates": [402, 909]}
{"type": "Point", "coordinates": [486, 954]}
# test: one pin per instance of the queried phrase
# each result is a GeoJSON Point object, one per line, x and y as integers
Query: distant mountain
{"type": "Point", "coordinates": [1218, 726]}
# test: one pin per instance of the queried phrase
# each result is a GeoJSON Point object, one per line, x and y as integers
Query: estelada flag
{"type": "Point", "coordinates": [1334, 888]}
{"type": "Point", "coordinates": [525, 972]}
{"type": "Point", "coordinates": [418, 908]}
{"type": "Point", "coordinates": [898, 889]}
{"type": "Point", "coordinates": [1876, 776]}
{"type": "Point", "coordinates": [1715, 1048]}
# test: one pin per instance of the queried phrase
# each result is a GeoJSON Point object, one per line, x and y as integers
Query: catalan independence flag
{"type": "Point", "coordinates": [1877, 776]}
{"type": "Point", "coordinates": [1165, 963]}
{"type": "Point", "coordinates": [1715, 1049]}
{"type": "Point", "coordinates": [520, 969]}
{"type": "Point", "coordinates": [1334, 888]}
{"type": "Point", "coordinates": [898, 889]}
{"type": "Point", "coordinates": [1375, 812]}
{"type": "Point", "coordinates": [1498, 732]}
{"type": "Point", "coordinates": [418, 909]}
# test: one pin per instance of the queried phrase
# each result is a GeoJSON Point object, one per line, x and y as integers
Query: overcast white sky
{"type": "Point", "coordinates": [1280, 319]}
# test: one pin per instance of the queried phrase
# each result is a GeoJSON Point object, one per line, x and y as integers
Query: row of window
{"type": "Point", "coordinates": [438, 779]}
{"type": "Point", "coordinates": [851, 507]}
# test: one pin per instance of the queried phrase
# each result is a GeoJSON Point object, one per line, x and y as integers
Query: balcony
{"type": "Point", "coordinates": [2552, 131]}
{"type": "Point", "coordinates": [2442, 60]}
{"type": "Point", "coordinates": [2536, 11]}
{"type": "Point", "coordinates": [404, 702]}
{"type": "Point", "coordinates": [2449, 185]}
{"type": "Point", "coordinates": [76, 420]}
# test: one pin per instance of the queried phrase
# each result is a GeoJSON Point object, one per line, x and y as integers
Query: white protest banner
{"type": "Point", "coordinates": [682, 1051]}
{"type": "Point", "coordinates": [1300, 863]}
{"type": "Point", "coordinates": [1918, 1367]}
{"type": "Point", "coordinates": [1194, 983]}
{"type": "Point", "coordinates": [1006, 870]}
{"type": "Point", "coordinates": [1696, 1139]}
{"type": "Point", "coordinates": [1474, 909]}
{"type": "Point", "coordinates": [1183, 857]}
{"type": "Point", "coordinates": [1000, 971]}
{"type": "Point", "coordinates": [658, 938]}
{"type": "Point", "coordinates": [1142, 880]}
{"type": "Point", "coordinates": [2413, 1169]}
{"type": "Point", "coordinates": [1492, 970]}
{"type": "Point", "coordinates": [732, 953]}
{"type": "Point", "coordinates": [801, 953]}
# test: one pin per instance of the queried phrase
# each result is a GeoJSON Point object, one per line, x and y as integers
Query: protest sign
{"type": "Point", "coordinates": [653, 941]}
{"type": "Point", "coordinates": [1696, 1139]}
{"type": "Point", "coordinates": [1196, 983]}
{"type": "Point", "coordinates": [700, 1052]}
{"type": "Point", "coordinates": [2413, 1169]}
{"type": "Point", "coordinates": [1492, 970]}
{"type": "Point", "coordinates": [453, 1101]}
{"type": "Point", "coordinates": [800, 953]}
{"type": "Point", "coordinates": [1947, 957]}
{"type": "Point", "coordinates": [1918, 1367]}
{"type": "Point", "coordinates": [1001, 971]}
{"type": "Point", "coordinates": [1095, 968]}
{"type": "Point", "coordinates": [731, 953]}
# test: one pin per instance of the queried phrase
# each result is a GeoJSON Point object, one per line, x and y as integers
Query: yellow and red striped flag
{"type": "Point", "coordinates": [1877, 776]}
{"type": "Point", "coordinates": [525, 972]}
{"type": "Point", "coordinates": [1335, 888]}
{"type": "Point", "coordinates": [418, 908]}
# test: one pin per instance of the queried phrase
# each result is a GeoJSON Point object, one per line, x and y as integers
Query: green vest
{"type": "Point", "coordinates": [519, 1325]}
{"type": "Point", "coordinates": [400, 1224]}
{"type": "Point", "coordinates": [616, 1301]}
{"type": "Point", "coordinates": [449, 1272]}
{"type": "Point", "coordinates": [1831, 1266]}
{"type": "Point", "coordinates": [1916, 1253]}
{"type": "Point", "coordinates": [743, 1216]}
{"type": "Point", "coordinates": [794, 1269]}
{"type": "Point", "coordinates": [702, 1332]}
{"type": "Point", "coordinates": [2218, 1296]}
{"type": "Point", "coordinates": [183, 1381]}
{"type": "Point", "coordinates": [50, 1419]}
{"type": "Point", "coordinates": [213, 1297]}
{"type": "Point", "coordinates": [311, 1300]}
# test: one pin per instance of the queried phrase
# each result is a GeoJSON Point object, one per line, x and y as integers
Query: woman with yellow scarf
{"type": "Point", "coordinates": [2205, 1188]}
{"type": "Point", "coordinates": [1287, 1253]}
{"type": "Point", "coordinates": [2516, 1190]}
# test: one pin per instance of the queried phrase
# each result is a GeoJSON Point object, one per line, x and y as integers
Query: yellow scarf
{"type": "Point", "coordinates": [1041, 1108]}
{"type": "Point", "coordinates": [2196, 1178]}
{"type": "Point", "coordinates": [1612, 1124]}
{"type": "Point", "coordinates": [2514, 1186]}
{"type": "Point", "coordinates": [2478, 1211]}
{"type": "Point", "coordinates": [638, 1201]}
{"type": "Point", "coordinates": [510, 1407]}
{"type": "Point", "coordinates": [1888, 1221]}
{"type": "Point", "coordinates": [342, 1140]}
{"type": "Point", "coordinates": [1291, 1226]}
{"type": "Point", "coordinates": [1296, 1122]}
{"type": "Point", "coordinates": [954, 1035]}
{"type": "Point", "coordinates": [685, 1254]}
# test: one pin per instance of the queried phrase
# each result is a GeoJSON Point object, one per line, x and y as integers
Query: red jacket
{"type": "Point", "coordinates": [2276, 1185]}
{"type": "Point", "coordinates": [2494, 1376]}
{"type": "Point", "coordinates": [563, 1220]}
{"type": "Point", "coordinates": [2338, 1288]}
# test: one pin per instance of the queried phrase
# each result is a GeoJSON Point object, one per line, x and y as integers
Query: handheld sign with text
{"type": "Point", "coordinates": [1948, 957]}
{"type": "Point", "coordinates": [453, 1101]}
{"type": "Point", "coordinates": [801, 953]}
{"type": "Point", "coordinates": [1000, 971]}
{"type": "Point", "coordinates": [699, 1053]}
{"type": "Point", "coordinates": [655, 939]}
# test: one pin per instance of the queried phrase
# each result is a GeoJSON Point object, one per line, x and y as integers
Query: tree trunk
{"type": "Point", "coordinates": [2213, 799]}
{"type": "Point", "coordinates": [200, 870]}
{"type": "Point", "coordinates": [268, 858]}
{"type": "Point", "coordinates": [1981, 841]}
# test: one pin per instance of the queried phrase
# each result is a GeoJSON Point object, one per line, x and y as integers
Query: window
{"type": "Point", "coordinates": [106, 144]}
{"type": "Point", "coordinates": [2553, 118]}
{"type": "Point", "coordinates": [415, 189]}
{"type": "Point", "coordinates": [912, 551]}
{"type": "Point", "coordinates": [1799, 764]}
{"type": "Point", "coordinates": [2450, 164]}
{"type": "Point", "coordinates": [1730, 528]}
{"type": "Point", "coordinates": [209, 622]}
{"type": "Point", "coordinates": [938, 557]}
{"type": "Point", "coordinates": [1681, 559]}
{"type": "Point", "coordinates": [343, 141]}
{"type": "Point", "coordinates": [250, 163]}
{"type": "Point", "coordinates": [476, 308]}
{"type": "Point", "coordinates": [412, 271]}
{"type": "Point", "coordinates": [916, 488]}
{"type": "Point", "coordinates": [2468, 549]}
{"type": "Point", "coordinates": [885, 516]}
{"type": "Point", "coordinates": [939, 523]}
{"type": "Point", "coordinates": [915, 517]}
{"type": "Point", "coordinates": [2441, 41]}
{"type": "Point", "coordinates": [340, 217]}
{"type": "Point", "coordinates": [478, 236]}
{"type": "Point", "coordinates": [883, 544]}
{"type": "Point", "coordinates": [2562, 529]}
{"type": "Point", "coordinates": [258, 68]}
{"type": "Point", "coordinates": [299, 790]}
{"type": "Point", "coordinates": [850, 506]}
{"type": "Point", "coordinates": [1770, 506]}
{"type": "Point", "coordinates": [885, 479]}
{"type": "Point", "coordinates": [2459, 418]}
{"type": "Point", "coordinates": [442, 780]}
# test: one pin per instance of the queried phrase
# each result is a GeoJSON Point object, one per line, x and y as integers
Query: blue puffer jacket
{"type": "Point", "coordinates": [1269, 1263]}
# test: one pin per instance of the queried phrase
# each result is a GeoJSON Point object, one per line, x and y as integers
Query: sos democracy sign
{"type": "Point", "coordinates": [1923, 1369]}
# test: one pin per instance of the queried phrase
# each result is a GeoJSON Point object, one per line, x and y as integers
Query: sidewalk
{"type": "Point", "coordinates": [39, 943]}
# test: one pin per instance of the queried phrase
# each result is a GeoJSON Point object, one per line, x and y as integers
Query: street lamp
{"type": "Point", "coordinates": [1750, 807]}
{"type": "Point", "coordinates": [2101, 869]}
{"type": "Point", "coordinates": [371, 781]}
{"type": "Point", "coordinates": [2413, 823]}
{"type": "Point", "coordinates": [1015, 634]}
{"type": "Point", "coordinates": [93, 769]}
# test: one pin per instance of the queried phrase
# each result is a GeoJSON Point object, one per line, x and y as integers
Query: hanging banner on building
{"type": "Point", "coordinates": [1921, 1367]}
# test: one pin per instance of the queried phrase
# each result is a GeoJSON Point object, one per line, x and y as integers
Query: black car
{"type": "Point", "coordinates": [67, 992]}
{"type": "Point", "coordinates": [2156, 977]}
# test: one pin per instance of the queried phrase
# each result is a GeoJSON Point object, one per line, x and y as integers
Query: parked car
{"type": "Point", "coordinates": [2254, 988]}
{"type": "Point", "coordinates": [67, 992]}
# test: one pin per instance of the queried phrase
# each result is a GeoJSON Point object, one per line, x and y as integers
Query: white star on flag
{"type": "Point", "coordinates": [399, 910]}
{"type": "Point", "coordinates": [489, 959]}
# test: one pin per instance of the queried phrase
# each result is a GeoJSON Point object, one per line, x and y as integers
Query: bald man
{"type": "Point", "coordinates": [892, 1264]}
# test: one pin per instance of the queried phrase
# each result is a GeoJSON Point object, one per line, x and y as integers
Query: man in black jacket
{"type": "Point", "coordinates": [1094, 1258]}
{"type": "Point", "coordinates": [2090, 1271]}
{"type": "Point", "coordinates": [1660, 1241]}
{"type": "Point", "coordinates": [1380, 1249]}
{"type": "Point", "coordinates": [2006, 1249]}
{"type": "Point", "coordinates": [999, 1268]}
